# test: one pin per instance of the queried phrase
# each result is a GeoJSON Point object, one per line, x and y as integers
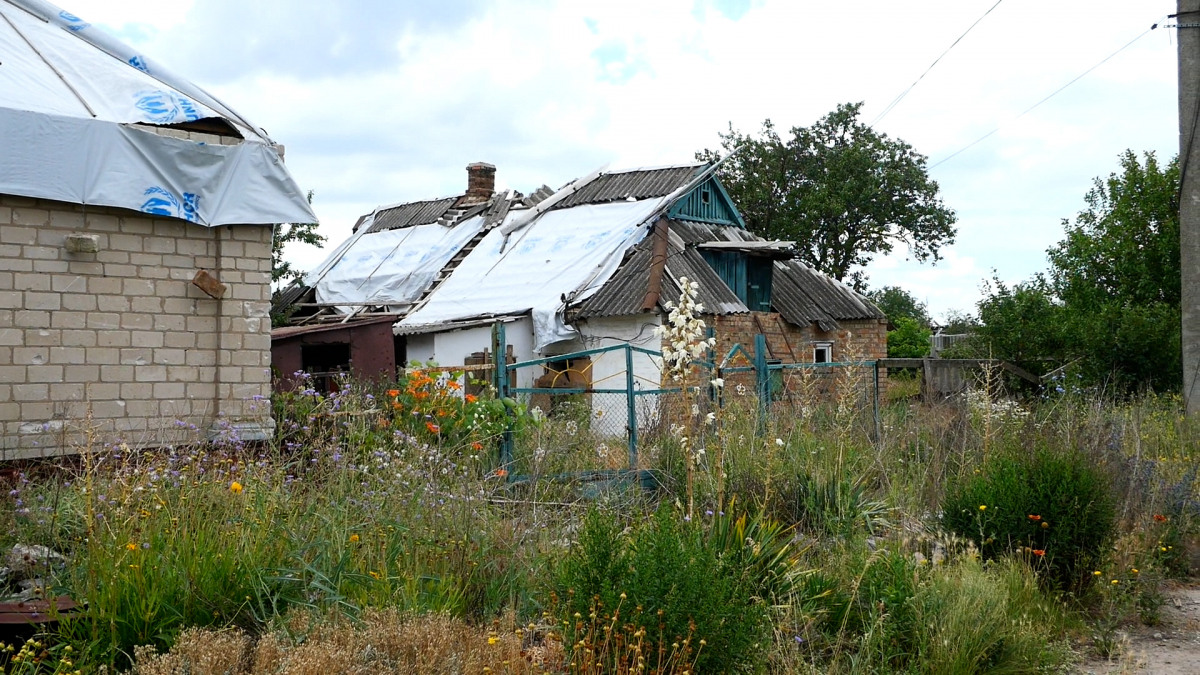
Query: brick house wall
{"type": "Point", "coordinates": [120, 339]}
{"type": "Point", "coordinates": [854, 340]}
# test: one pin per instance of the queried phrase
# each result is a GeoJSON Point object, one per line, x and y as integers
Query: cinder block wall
{"type": "Point", "coordinates": [120, 341]}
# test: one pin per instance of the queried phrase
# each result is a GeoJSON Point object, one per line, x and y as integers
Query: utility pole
{"type": "Point", "coordinates": [1188, 20]}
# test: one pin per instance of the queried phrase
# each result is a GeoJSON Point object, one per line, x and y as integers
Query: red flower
{"type": "Point", "coordinates": [1035, 518]}
{"type": "Point", "coordinates": [1039, 552]}
{"type": "Point", "coordinates": [1160, 518]}
{"type": "Point", "coordinates": [433, 428]}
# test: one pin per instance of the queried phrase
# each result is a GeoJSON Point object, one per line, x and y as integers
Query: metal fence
{"type": "Point", "coordinates": [608, 404]}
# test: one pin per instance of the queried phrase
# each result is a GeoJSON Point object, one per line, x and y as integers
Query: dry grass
{"type": "Point", "coordinates": [382, 642]}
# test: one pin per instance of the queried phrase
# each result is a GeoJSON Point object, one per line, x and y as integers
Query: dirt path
{"type": "Point", "coordinates": [1170, 649]}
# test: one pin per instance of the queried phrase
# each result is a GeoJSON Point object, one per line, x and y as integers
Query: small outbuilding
{"type": "Point", "coordinates": [136, 215]}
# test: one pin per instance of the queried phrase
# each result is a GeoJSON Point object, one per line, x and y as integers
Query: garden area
{"type": "Point", "coordinates": [379, 533]}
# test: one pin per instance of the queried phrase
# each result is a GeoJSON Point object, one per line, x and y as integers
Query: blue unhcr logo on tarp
{"type": "Point", "coordinates": [139, 63]}
{"type": "Point", "coordinates": [166, 107]}
{"type": "Point", "coordinates": [161, 202]}
{"type": "Point", "coordinates": [73, 22]}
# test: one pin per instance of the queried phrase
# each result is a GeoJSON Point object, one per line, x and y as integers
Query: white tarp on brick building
{"type": "Point", "coordinates": [78, 118]}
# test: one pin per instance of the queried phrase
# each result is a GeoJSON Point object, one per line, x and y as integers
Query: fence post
{"type": "Point", "coordinates": [500, 372]}
{"type": "Point", "coordinates": [875, 404]}
{"type": "Point", "coordinates": [631, 409]}
{"type": "Point", "coordinates": [763, 379]}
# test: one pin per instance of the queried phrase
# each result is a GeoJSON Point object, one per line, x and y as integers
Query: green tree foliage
{"type": "Point", "coordinates": [1110, 302]}
{"type": "Point", "coordinates": [898, 303]}
{"type": "Point", "coordinates": [909, 340]}
{"type": "Point", "coordinates": [282, 271]}
{"type": "Point", "coordinates": [843, 191]}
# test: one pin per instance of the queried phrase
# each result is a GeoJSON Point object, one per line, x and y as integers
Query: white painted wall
{"type": "Point", "coordinates": [608, 370]}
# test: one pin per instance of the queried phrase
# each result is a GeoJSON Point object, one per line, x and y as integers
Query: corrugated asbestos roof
{"type": "Point", "coordinates": [800, 294]}
{"type": "Point", "coordinates": [638, 184]}
{"type": "Point", "coordinates": [413, 213]}
{"type": "Point", "coordinates": [624, 293]}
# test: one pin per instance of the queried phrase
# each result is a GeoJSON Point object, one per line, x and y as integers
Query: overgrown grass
{"type": "Point", "coordinates": [376, 507]}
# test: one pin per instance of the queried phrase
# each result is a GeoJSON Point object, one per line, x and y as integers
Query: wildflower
{"type": "Point", "coordinates": [1035, 518]}
{"type": "Point", "coordinates": [1116, 581]}
{"type": "Point", "coordinates": [433, 428]}
{"type": "Point", "coordinates": [354, 539]}
{"type": "Point", "coordinates": [983, 507]}
{"type": "Point", "coordinates": [1096, 573]}
{"type": "Point", "coordinates": [718, 383]}
{"type": "Point", "coordinates": [374, 574]}
{"type": "Point", "coordinates": [1160, 518]}
{"type": "Point", "coordinates": [1163, 549]}
{"type": "Point", "coordinates": [1045, 526]}
{"type": "Point", "coordinates": [235, 488]}
{"type": "Point", "coordinates": [779, 442]}
{"type": "Point", "coordinates": [393, 393]}
{"type": "Point", "coordinates": [131, 546]}
{"type": "Point", "coordinates": [1135, 570]}
{"type": "Point", "coordinates": [502, 472]}
{"type": "Point", "coordinates": [396, 405]}
{"type": "Point", "coordinates": [471, 398]}
{"type": "Point", "coordinates": [1039, 552]}
{"type": "Point", "coordinates": [493, 640]}
{"type": "Point", "coordinates": [477, 445]}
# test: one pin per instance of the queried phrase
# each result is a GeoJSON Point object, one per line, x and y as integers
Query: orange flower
{"type": "Point", "coordinates": [502, 472]}
{"type": "Point", "coordinates": [393, 392]}
{"type": "Point", "coordinates": [1160, 518]}
{"type": "Point", "coordinates": [477, 446]}
{"type": "Point", "coordinates": [1039, 552]}
{"type": "Point", "coordinates": [453, 384]}
{"type": "Point", "coordinates": [471, 398]}
{"type": "Point", "coordinates": [354, 539]}
{"type": "Point", "coordinates": [433, 428]}
{"type": "Point", "coordinates": [1035, 518]}
{"type": "Point", "coordinates": [396, 405]}
{"type": "Point", "coordinates": [235, 487]}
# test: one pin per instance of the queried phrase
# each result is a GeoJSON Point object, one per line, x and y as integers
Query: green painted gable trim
{"type": "Point", "coordinates": [719, 209]}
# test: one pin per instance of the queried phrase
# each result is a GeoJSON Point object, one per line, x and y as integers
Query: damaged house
{"type": "Point", "coordinates": [588, 266]}
{"type": "Point", "coordinates": [136, 215]}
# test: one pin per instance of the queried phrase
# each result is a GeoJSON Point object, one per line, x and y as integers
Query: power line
{"type": "Point", "coordinates": [1055, 93]}
{"type": "Point", "coordinates": [896, 101]}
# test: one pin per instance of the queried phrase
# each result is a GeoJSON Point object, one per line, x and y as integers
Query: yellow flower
{"type": "Point", "coordinates": [235, 488]}
{"type": "Point", "coordinates": [131, 546]}
{"type": "Point", "coordinates": [493, 640]}
{"type": "Point", "coordinates": [1097, 573]}
{"type": "Point", "coordinates": [1135, 570]}
{"type": "Point", "coordinates": [1163, 549]}
{"type": "Point", "coordinates": [983, 507]}
{"type": "Point", "coordinates": [1116, 581]}
{"type": "Point", "coordinates": [354, 539]}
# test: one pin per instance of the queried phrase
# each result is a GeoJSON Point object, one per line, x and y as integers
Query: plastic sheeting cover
{"type": "Point", "coordinates": [67, 104]}
{"type": "Point", "coordinates": [394, 267]}
{"type": "Point", "coordinates": [565, 251]}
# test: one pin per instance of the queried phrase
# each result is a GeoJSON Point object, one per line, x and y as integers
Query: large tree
{"type": "Point", "coordinates": [842, 191]}
{"type": "Point", "coordinates": [1110, 304]}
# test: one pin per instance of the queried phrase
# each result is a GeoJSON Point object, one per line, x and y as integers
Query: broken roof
{"type": "Point", "coordinates": [800, 294]}
{"type": "Point", "coordinates": [88, 120]}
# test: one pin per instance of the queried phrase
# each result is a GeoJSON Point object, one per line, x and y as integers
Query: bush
{"type": "Point", "coordinates": [1054, 509]}
{"type": "Point", "coordinates": [663, 578]}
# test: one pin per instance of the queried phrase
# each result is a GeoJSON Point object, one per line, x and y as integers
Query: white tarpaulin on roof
{"type": "Point", "coordinates": [564, 252]}
{"type": "Point", "coordinates": [394, 267]}
{"type": "Point", "coordinates": [70, 97]}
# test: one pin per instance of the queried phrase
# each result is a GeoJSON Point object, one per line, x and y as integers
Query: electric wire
{"type": "Point", "coordinates": [896, 101]}
{"type": "Point", "coordinates": [1052, 95]}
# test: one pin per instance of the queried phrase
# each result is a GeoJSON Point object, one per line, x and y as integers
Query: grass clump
{"type": "Point", "coordinates": [697, 593]}
{"type": "Point", "coordinates": [1054, 509]}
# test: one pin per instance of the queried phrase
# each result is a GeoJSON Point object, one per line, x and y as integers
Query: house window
{"type": "Point", "coordinates": [705, 196]}
{"type": "Point", "coordinates": [823, 352]}
{"type": "Point", "coordinates": [749, 277]}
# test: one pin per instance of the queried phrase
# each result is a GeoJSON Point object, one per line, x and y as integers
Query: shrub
{"type": "Point", "coordinates": [1055, 509]}
{"type": "Point", "coordinates": [835, 506]}
{"type": "Point", "coordinates": [663, 578]}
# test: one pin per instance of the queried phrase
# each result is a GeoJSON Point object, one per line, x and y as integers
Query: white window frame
{"type": "Point", "coordinates": [827, 348]}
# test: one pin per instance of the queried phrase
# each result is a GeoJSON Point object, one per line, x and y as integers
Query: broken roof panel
{"type": "Point", "coordinates": [412, 213]}
{"type": "Point", "coordinates": [633, 185]}
{"type": "Point", "coordinates": [78, 115]}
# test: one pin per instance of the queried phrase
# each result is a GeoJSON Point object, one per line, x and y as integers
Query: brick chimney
{"type": "Point", "coordinates": [481, 183]}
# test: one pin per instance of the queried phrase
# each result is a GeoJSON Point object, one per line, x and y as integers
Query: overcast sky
{"type": "Point", "coordinates": [384, 101]}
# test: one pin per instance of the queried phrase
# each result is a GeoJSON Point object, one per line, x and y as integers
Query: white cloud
{"type": "Point", "coordinates": [381, 102]}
